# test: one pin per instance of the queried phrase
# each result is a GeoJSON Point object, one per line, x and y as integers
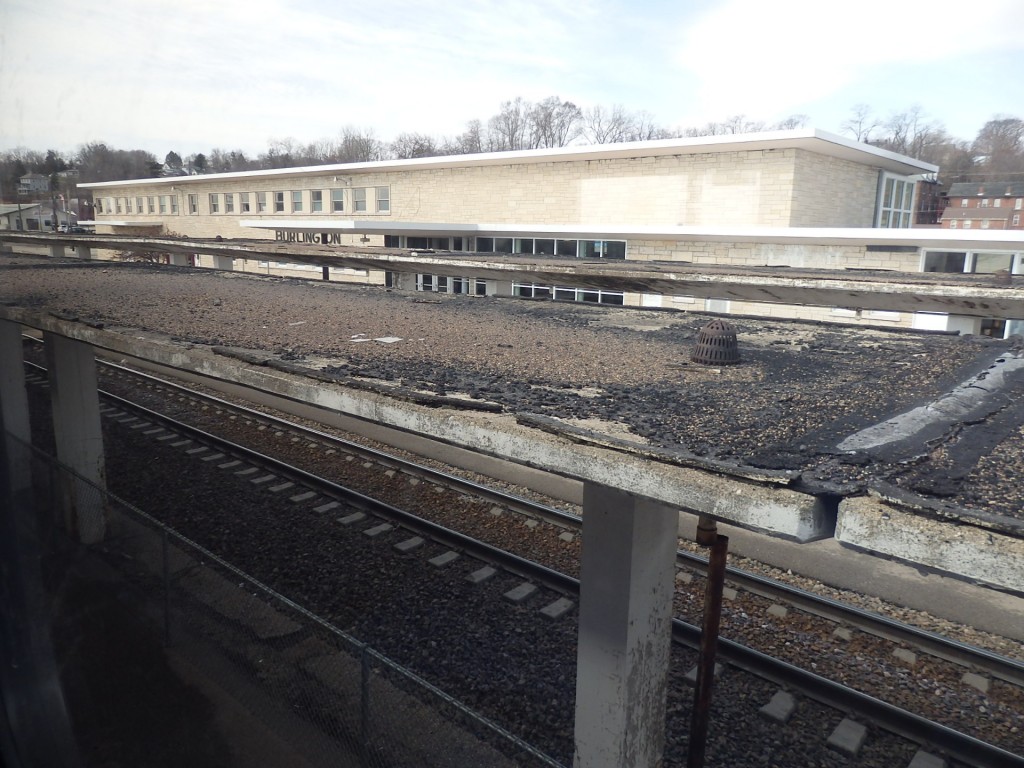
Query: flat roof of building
{"type": "Point", "coordinates": [822, 408]}
{"type": "Point", "coordinates": [810, 139]}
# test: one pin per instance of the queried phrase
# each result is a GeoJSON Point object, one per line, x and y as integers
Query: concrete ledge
{"type": "Point", "coordinates": [747, 503]}
{"type": "Point", "coordinates": [964, 551]}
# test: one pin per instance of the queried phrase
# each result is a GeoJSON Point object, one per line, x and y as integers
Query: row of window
{"type": "Point", "coordinates": [971, 261]}
{"type": "Point", "coordinates": [478, 287]}
{"type": "Point", "coordinates": [995, 202]}
{"type": "Point", "coordinates": [534, 246]}
{"type": "Point", "coordinates": [355, 199]}
{"type": "Point", "coordinates": [985, 223]}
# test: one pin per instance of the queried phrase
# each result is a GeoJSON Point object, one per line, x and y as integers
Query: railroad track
{"type": "Point", "coordinates": [963, 748]}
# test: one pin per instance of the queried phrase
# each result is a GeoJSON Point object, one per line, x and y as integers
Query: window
{"type": "Point", "coordinates": [989, 263]}
{"type": "Point", "coordinates": [214, 202]}
{"type": "Point", "coordinates": [359, 200]}
{"type": "Point", "coordinates": [952, 224]}
{"type": "Point", "coordinates": [896, 202]}
{"type": "Point", "coordinates": [316, 201]}
{"type": "Point", "coordinates": [602, 249]}
{"type": "Point", "coordinates": [127, 205]}
{"type": "Point", "coordinates": [984, 223]}
{"type": "Point", "coordinates": [984, 202]}
{"type": "Point", "coordinates": [279, 202]}
{"type": "Point", "coordinates": [99, 205]}
{"type": "Point", "coordinates": [383, 199]}
{"type": "Point", "coordinates": [297, 201]}
{"type": "Point", "coordinates": [1016, 220]}
{"type": "Point", "coordinates": [1018, 203]}
{"type": "Point", "coordinates": [193, 204]}
{"type": "Point", "coordinates": [997, 203]}
{"type": "Point", "coordinates": [945, 261]}
{"type": "Point", "coordinates": [151, 205]}
{"type": "Point", "coordinates": [963, 202]}
{"type": "Point", "coordinates": [174, 205]}
{"type": "Point", "coordinates": [243, 202]}
{"type": "Point", "coordinates": [337, 200]}
{"type": "Point", "coordinates": [229, 202]}
{"type": "Point", "coordinates": [261, 202]}
{"type": "Point", "coordinates": [120, 205]}
{"type": "Point", "coordinates": [967, 223]}
{"type": "Point", "coordinates": [138, 205]}
{"type": "Point", "coordinates": [163, 203]}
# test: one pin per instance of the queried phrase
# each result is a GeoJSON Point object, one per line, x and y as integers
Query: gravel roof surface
{"type": "Point", "coordinates": [799, 390]}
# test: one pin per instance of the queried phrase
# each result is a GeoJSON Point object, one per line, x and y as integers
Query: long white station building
{"type": "Point", "coordinates": [801, 199]}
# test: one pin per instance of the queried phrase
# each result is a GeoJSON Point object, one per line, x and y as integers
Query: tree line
{"type": "Point", "coordinates": [996, 152]}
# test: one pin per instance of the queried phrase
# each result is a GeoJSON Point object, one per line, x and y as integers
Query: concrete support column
{"type": "Point", "coordinates": [223, 262]}
{"type": "Point", "coordinates": [79, 436]}
{"type": "Point", "coordinates": [14, 405]}
{"type": "Point", "coordinates": [626, 587]}
{"type": "Point", "coordinates": [83, 252]}
{"type": "Point", "coordinates": [405, 281]}
{"type": "Point", "coordinates": [180, 260]}
{"type": "Point", "coordinates": [499, 288]}
{"type": "Point", "coordinates": [57, 250]}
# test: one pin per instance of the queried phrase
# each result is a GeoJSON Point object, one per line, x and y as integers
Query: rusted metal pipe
{"type": "Point", "coordinates": [707, 535]}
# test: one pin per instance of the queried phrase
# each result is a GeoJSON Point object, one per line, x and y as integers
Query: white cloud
{"type": "Point", "coordinates": [768, 59]}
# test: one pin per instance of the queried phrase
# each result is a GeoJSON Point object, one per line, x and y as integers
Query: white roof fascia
{"type": "Point", "coordinates": [924, 238]}
{"type": "Point", "coordinates": [809, 139]}
{"type": "Point", "coordinates": [122, 223]}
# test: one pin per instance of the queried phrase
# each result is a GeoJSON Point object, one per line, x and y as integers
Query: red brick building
{"type": "Point", "coordinates": [987, 205]}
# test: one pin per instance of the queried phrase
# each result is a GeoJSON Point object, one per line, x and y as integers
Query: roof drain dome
{"type": "Point", "coordinates": [716, 345]}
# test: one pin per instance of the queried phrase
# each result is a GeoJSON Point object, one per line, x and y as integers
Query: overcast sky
{"type": "Point", "coordinates": [191, 76]}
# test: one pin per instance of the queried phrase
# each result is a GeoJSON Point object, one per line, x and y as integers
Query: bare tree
{"type": "Point", "coordinates": [999, 146]}
{"type": "Point", "coordinates": [469, 142]}
{"type": "Point", "coordinates": [605, 126]}
{"type": "Point", "coordinates": [791, 122]}
{"type": "Point", "coordinates": [408, 145]}
{"type": "Point", "coordinates": [643, 128]}
{"type": "Point", "coordinates": [731, 125]}
{"type": "Point", "coordinates": [861, 124]}
{"type": "Point", "coordinates": [509, 129]}
{"type": "Point", "coordinates": [358, 146]}
{"type": "Point", "coordinates": [553, 123]}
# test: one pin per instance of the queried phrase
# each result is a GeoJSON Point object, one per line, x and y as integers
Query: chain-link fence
{"type": "Point", "coordinates": [168, 655]}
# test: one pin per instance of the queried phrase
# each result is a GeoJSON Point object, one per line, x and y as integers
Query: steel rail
{"type": "Point", "coordinates": [1003, 667]}
{"type": "Point", "coordinates": [964, 748]}
{"type": "Point", "coordinates": [487, 553]}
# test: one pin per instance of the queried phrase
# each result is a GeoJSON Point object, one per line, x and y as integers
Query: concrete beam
{"type": "Point", "coordinates": [976, 553]}
{"type": "Point", "coordinates": [79, 436]}
{"type": "Point", "coordinates": [749, 504]}
{"type": "Point", "coordinates": [625, 627]}
{"type": "Point", "coordinates": [958, 294]}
